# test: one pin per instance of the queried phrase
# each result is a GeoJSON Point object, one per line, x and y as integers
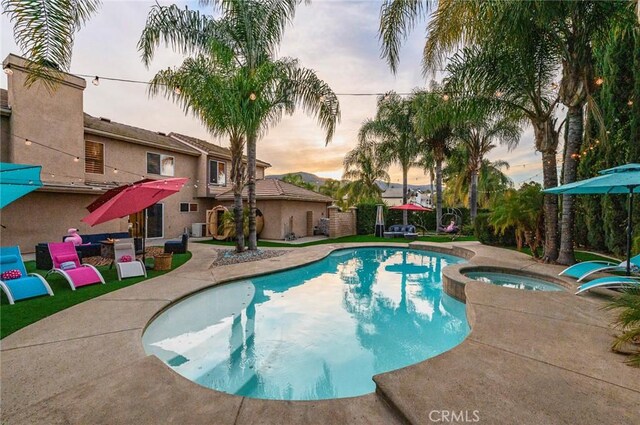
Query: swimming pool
{"type": "Point", "coordinates": [315, 332]}
{"type": "Point", "coordinates": [509, 280]}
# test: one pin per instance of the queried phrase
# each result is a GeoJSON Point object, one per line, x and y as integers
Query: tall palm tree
{"type": "Point", "coordinates": [211, 88]}
{"type": "Point", "coordinates": [393, 129]}
{"type": "Point", "coordinates": [517, 75]}
{"type": "Point", "coordinates": [434, 121]}
{"type": "Point", "coordinates": [248, 33]}
{"type": "Point", "coordinates": [478, 137]}
{"type": "Point", "coordinates": [363, 168]}
{"type": "Point", "coordinates": [44, 31]}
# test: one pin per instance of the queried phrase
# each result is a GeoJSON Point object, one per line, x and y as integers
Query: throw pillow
{"type": "Point", "coordinates": [125, 259]}
{"type": "Point", "coordinates": [11, 274]}
{"type": "Point", "coordinates": [68, 265]}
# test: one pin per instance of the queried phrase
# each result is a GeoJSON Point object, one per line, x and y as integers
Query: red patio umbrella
{"type": "Point", "coordinates": [130, 199]}
{"type": "Point", "coordinates": [410, 207]}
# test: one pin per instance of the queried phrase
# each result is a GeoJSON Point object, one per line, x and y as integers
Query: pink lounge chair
{"type": "Point", "coordinates": [76, 274]}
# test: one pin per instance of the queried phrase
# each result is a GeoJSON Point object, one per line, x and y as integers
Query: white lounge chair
{"type": "Point", "coordinates": [125, 259]}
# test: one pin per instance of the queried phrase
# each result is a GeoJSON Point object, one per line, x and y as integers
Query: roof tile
{"type": "Point", "coordinates": [277, 189]}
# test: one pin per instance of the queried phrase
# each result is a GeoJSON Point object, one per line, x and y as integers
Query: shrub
{"type": "Point", "coordinates": [366, 217]}
{"type": "Point", "coordinates": [486, 233]}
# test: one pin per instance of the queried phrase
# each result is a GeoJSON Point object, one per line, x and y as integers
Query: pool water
{"type": "Point", "coordinates": [514, 281]}
{"type": "Point", "coordinates": [315, 332]}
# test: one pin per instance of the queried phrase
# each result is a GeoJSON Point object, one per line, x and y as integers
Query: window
{"type": "Point", "coordinates": [162, 165]}
{"type": "Point", "coordinates": [93, 157]}
{"type": "Point", "coordinates": [187, 207]}
{"type": "Point", "coordinates": [217, 172]}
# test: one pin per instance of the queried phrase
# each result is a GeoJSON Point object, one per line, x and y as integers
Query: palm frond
{"type": "Point", "coordinates": [44, 31]}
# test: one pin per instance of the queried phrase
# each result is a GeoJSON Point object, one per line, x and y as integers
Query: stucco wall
{"type": "Point", "coordinates": [277, 212]}
{"type": "Point", "coordinates": [45, 217]}
{"type": "Point", "coordinates": [54, 119]}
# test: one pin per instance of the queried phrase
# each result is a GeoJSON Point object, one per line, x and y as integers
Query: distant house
{"type": "Point", "coordinates": [83, 156]}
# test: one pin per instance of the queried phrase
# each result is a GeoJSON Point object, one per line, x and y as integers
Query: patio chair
{"type": "Point", "coordinates": [125, 259]}
{"type": "Point", "coordinates": [16, 283]}
{"type": "Point", "coordinates": [177, 247]}
{"type": "Point", "coordinates": [66, 263]}
{"type": "Point", "coordinates": [611, 282]}
{"type": "Point", "coordinates": [586, 268]}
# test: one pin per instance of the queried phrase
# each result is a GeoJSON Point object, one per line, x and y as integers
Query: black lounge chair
{"type": "Point", "coordinates": [399, 231]}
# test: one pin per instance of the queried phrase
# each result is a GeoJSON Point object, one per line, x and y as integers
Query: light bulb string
{"type": "Point", "coordinates": [75, 156]}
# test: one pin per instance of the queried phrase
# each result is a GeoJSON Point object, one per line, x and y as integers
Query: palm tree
{"type": "Point", "coordinates": [330, 187]}
{"type": "Point", "coordinates": [478, 137]}
{"type": "Point", "coordinates": [433, 122]}
{"type": "Point", "coordinates": [44, 31]}
{"type": "Point", "coordinates": [570, 27]}
{"type": "Point", "coordinates": [522, 210]}
{"type": "Point", "coordinates": [393, 128]}
{"type": "Point", "coordinates": [363, 168]}
{"type": "Point", "coordinates": [211, 89]}
{"type": "Point", "coordinates": [517, 75]}
{"type": "Point", "coordinates": [491, 180]}
{"type": "Point", "coordinates": [628, 321]}
{"type": "Point", "coordinates": [248, 33]}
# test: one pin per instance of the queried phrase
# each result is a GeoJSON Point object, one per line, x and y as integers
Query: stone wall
{"type": "Point", "coordinates": [342, 223]}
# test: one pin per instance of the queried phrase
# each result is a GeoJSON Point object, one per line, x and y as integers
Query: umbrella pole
{"type": "Point", "coordinates": [629, 231]}
{"type": "Point", "coordinates": [144, 237]}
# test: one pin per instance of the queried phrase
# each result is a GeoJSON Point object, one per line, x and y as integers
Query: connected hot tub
{"type": "Point", "coordinates": [509, 280]}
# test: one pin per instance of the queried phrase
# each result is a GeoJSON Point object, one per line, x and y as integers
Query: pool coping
{"type": "Point", "coordinates": [60, 334]}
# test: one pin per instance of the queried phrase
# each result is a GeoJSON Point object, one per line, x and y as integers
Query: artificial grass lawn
{"type": "Point", "coordinates": [26, 312]}
{"type": "Point", "coordinates": [345, 239]}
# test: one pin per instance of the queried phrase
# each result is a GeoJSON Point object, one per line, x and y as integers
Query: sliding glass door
{"type": "Point", "coordinates": [155, 221]}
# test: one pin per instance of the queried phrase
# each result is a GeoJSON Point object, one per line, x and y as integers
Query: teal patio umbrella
{"type": "Point", "coordinates": [16, 180]}
{"type": "Point", "coordinates": [624, 179]}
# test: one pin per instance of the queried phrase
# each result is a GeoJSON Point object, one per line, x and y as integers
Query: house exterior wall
{"type": "Point", "coordinates": [276, 215]}
{"type": "Point", "coordinates": [51, 118]}
{"type": "Point", "coordinates": [46, 216]}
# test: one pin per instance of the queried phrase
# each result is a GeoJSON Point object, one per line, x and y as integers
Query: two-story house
{"type": "Point", "coordinates": [83, 156]}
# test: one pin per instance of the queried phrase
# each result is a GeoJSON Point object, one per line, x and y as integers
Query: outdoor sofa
{"type": "Point", "coordinates": [400, 231]}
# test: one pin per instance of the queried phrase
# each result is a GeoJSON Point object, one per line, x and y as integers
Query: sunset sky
{"type": "Point", "coordinates": [338, 39]}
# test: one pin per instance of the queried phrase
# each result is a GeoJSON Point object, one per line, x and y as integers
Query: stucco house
{"type": "Point", "coordinates": [82, 156]}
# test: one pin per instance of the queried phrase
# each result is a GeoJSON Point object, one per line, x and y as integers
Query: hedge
{"type": "Point", "coordinates": [366, 218]}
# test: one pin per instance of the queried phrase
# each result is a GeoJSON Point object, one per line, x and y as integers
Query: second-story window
{"type": "Point", "coordinates": [217, 172]}
{"type": "Point", "coordinates": [93, 157]}
{"type": "Point", "coordinates": [162, 165]}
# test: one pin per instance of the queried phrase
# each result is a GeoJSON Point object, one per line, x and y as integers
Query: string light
{"type": "Point", "coordinates": [599, 81]}
{"type": "Point", "coordinates": [27, 142]}
{"type": "Point", "coordinates": [76, 159]}
{"type": "Point", "coordinates": [630, 102]}
{"type": "Point", "coordinates": [445, 97]}
{"type": "Point", "coordinates": [499, 94]}
{"type": "Point", "coordinates": [177, 90]}
{"type": "Point", "coordinates": [8, 71]}
{"type": "Point", "coordinates": [554, 85]}
{"type": "Point", "coordinates": [96, 81]}
{"type": "Point", "coordinates": [115, 171]}
{"type": "Point", "coordinates": [252, 96]}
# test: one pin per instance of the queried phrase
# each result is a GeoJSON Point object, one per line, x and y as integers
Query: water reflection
{"type": "Point", "coordinates": [320, 331]}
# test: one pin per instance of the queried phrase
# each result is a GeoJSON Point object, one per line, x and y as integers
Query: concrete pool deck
{"type": "Point", "coordinates": [531, 358]}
